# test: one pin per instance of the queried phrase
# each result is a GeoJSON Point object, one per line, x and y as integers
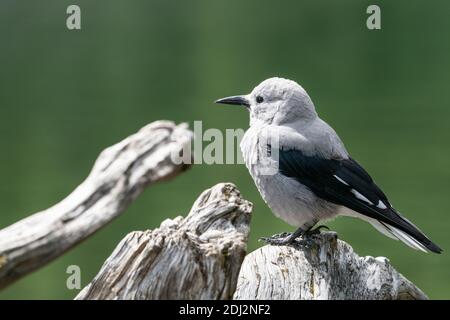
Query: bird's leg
{"type": "Point", "coordinates": [284, 238]}
{"type": "Point", "coordinates": [316, 230]}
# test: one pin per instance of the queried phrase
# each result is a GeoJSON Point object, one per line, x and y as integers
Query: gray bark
{"type": "Point", "coordinates": [119, 175]}
{"type": "Point", "coordinates": [325, 268]}
{"type": "Point", "coordinates": [198, 257]}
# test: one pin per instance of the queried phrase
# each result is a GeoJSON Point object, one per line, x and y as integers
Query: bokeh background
{"type": "Point", "coordinates": [66, 95]}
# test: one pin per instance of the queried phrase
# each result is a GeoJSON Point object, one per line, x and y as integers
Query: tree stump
{"type": "Point", "coordinates": [326, 269]}
{"type": "Point", "coordinates": [198, 257]}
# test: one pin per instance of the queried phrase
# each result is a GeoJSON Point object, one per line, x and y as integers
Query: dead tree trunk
{"type": "Point", "coordinates": [119, 175]}
{"type": "Point", "coordinates": [327, 268]}
{"type": "Point", "coordinates": [198, 257]}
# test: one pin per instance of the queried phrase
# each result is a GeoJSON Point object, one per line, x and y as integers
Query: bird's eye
{"type": "Point", "coordinates": [259, 99]}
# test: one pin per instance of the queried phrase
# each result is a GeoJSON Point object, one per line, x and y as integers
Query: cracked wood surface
{"type": "Point", "coordinates": [326, 269]}
{"type": "Point", "coordinates": [198, 257]}
{"type": "Point", "coordinates": [119, 175]}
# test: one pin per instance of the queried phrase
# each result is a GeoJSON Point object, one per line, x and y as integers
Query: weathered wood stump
{"type": "Point", "coordinates": [198, 257]}
{"type": "Point", "coordinates": [327, 268]}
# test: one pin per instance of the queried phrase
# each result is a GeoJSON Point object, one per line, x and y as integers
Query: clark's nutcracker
{"type": "Point", "coordinates": [303, 171]}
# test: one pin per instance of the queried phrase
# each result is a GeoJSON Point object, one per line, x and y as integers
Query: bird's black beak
{"type": "Point", "coordinates": [236, 100]}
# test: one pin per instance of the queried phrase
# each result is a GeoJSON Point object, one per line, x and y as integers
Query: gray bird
{"type": "Point", "coordinates": [304, 172]}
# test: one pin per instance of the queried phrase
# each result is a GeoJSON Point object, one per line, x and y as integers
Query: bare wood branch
{"type": "Point", "coordinates": [119, 175]}
{"type": "Point", "coordinates": [327, 268]}
{"type": "Point", "coordinates": [198, 257]}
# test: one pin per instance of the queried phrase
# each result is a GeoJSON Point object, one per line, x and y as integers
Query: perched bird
{"type": "Point", "coordinates": [303, 170]}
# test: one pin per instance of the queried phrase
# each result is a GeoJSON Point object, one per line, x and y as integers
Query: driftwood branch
{"type": "Point", "coordinates": [327, 268]}
{"type": "Point", "coordinates": [198, 257]}
{"type": "Point", "coordinates": [120, 174]}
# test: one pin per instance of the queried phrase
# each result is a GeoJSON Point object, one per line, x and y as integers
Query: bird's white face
{"type": "Point", "coordinates": [276, 101]}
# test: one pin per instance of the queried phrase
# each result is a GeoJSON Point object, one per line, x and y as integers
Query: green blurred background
{"type": "Point", "coordinates": [66, 95]}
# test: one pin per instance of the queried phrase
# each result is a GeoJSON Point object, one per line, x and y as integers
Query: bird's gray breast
{"type": "Point", "coordinates": [288, 199]}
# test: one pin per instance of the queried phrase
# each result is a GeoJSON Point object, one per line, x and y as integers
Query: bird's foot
{"type": "Point", "coordinates": [279, 239]}
{"type": "Point", "coordinates": [286, 238]}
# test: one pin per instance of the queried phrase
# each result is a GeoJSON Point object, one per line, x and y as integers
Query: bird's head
{"type": "Point", "coordinates": [276, 101]}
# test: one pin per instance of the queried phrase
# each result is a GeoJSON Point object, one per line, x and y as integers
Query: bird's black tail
{"type": "Point", "coordinates": [410, 235]}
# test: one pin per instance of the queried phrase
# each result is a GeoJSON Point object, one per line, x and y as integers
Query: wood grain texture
{"type": "Point", "coordinates": [198, 257]}
{"type": "Point", "coordinates": [119, 175]}
{"type": "Point", "coordinates": [327, 268]}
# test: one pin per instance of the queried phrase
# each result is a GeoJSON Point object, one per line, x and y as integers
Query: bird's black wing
{"type": "Point", "coordinates": [346, 183]}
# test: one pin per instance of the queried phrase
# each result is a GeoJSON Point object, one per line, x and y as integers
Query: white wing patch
{"type": "Point", "coordinates": [361, 197]}
{"type": "Point", "coordinates": [358, 195]}
{"type": "Point", "coordinates": [381, 205]}
{"type": "Point", "coordinates": [340, 180]}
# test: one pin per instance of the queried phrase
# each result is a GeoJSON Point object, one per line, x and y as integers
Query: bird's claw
{"type": "Point", "coordinates": [277, 239]}
{"type": "Point", "coordinates": [307, 243]}
{"type": "Point", "coordinates": [286, 238]}
{"type": "Point", "coordinates": [279, 235]}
